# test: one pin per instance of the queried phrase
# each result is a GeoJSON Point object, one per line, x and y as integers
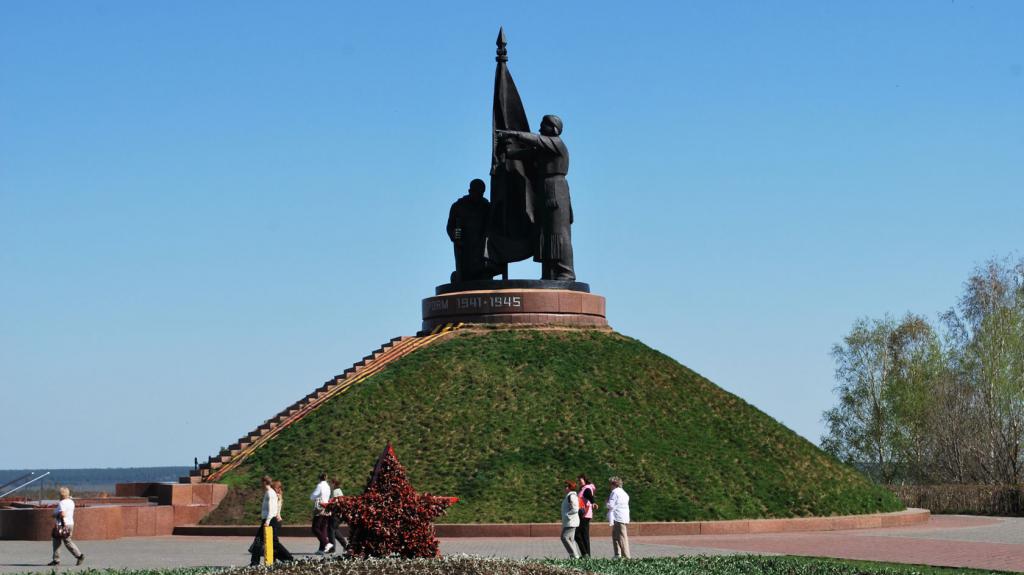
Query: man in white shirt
{"type": "Point", "coordinates": [321, 518]}
{"type": "Point", "coordinates": [617, 508]}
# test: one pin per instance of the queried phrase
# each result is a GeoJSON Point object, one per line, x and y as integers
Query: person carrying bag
{"type": "Point", "coordinates": [64, 526]}
{"type": "Point", "coordinates": [570, 519]}
{"type": "Point", "coordinates": [266, 543]}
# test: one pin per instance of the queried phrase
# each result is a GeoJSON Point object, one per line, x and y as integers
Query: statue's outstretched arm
{"type": "Point", "coordinates": [528, 138]}
{"type": "Point", "coordinates": [521, 145]}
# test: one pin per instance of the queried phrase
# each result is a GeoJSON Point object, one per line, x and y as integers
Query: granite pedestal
{"type": "Point", "coordinates": [519, 302]}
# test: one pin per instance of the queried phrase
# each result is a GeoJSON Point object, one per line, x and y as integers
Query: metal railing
{"type": "Point", "coordinates": [29, 482]}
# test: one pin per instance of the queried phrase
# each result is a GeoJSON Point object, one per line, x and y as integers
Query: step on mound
{"type": "Point", "coordinates": [233, 455]}
{"type": "Point", "coordinates": [498, 417]}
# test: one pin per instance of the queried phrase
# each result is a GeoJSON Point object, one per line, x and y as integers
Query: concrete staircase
{"type": "Point", "coordinates": [233, 455]}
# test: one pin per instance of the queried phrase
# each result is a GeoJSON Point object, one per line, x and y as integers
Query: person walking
{"type": "Point", "coordinates": [281, 553]}
{"type": "Point", "coordinates": [334, 523]}
{"type": "Point", "coordinates": [587, 508]}
{"type": "Point", "coordinates": [570, 519]}
{"type": "Point", "coordinates": [321, 517]}
{"type": "Point", "coordinates": [270, 510]}
{"type": "Point", "coordinates": [617, 508]}
{"type": "Point", "coordinates": [64, 525]}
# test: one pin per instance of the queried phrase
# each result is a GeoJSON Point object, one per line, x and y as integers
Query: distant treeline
{"type": "Point", "coordinates": [939, 403]}
{"type": "Point", "coordinates": [89, 480]}
{"type": "Point", "coordinates": [1000, 500]}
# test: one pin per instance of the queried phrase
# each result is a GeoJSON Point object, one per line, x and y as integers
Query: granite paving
{"type": "Point", "coordinates": [956, 541]}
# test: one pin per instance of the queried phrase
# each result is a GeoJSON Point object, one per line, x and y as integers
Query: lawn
{"type": "Point", "coordinates": [499, 418]}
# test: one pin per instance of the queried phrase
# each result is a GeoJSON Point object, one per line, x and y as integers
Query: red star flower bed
{"type": "Point", "coordinates": [390, 518]}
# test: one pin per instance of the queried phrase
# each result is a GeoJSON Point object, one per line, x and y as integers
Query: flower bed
{"type": "Point", "coordinates": [466, 565]}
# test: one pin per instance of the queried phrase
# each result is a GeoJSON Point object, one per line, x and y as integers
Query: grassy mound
{"type": "Point", "coordinates": [498, 417]}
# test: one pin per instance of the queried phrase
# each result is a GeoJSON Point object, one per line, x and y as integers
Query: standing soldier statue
{"type": "Point", "coordinates": [467, 228]}
{"type": "Point", "coordinates": [550, 164]}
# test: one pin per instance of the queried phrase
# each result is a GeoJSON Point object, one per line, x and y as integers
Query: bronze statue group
{"type": "Point", "coordinates": [533, 209]}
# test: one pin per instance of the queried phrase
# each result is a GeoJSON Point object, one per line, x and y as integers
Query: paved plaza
{"type": "Point", "coordinates": [959, 541]}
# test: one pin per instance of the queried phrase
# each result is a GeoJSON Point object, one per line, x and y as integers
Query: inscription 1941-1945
{"type": "Point", "coordinates": [515, 306]}
{"type": "Point", "coordinates": [475, 302]}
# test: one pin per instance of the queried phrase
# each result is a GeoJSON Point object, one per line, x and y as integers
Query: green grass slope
{"type": "Point", "coordinates": [498, 418]}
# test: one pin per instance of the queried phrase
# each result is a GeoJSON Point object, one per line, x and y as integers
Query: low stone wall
{"type": "Point", "coordinates": [601, 528]}
{"type": "Point", "coordinates": [168, 505]}
{"type": "Point", "coordinates": [107, 522]}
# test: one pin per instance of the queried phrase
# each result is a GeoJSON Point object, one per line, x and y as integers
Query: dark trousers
{"type": "Point", "coordinates": [333, 533]}
{"type": "Point", "coordinates": [583, 537]}
{"type": "Point", "coordinates": [280, 552]}
{"type": "Point", "coordinates": [321, 523]}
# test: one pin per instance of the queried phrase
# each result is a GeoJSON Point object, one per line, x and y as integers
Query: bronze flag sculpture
{"type": "Point", "coordinates": [530, 212]}
{"type": "Point", "coordinates": [510, 232]}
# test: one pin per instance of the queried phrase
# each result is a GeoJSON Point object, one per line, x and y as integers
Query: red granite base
{"type": "Point", "coordinates": [556, 307]}
{"type": "Point", "coordinates": [129, 514]}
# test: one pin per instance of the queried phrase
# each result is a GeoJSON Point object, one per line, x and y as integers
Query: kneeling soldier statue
{"type": "Point", "coordinates": [467, 228]}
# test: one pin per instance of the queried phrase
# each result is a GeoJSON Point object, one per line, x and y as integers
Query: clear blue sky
{"type": "Point", "coordinates": [209, 208]}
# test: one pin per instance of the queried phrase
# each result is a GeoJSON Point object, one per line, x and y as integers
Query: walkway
{"type": "Point", "coordinates": [959, 541]}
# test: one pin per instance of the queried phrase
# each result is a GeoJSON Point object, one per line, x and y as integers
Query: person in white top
{"type": "Point", "coordinates": [270, 511]}
{"type": "Point", "coordinates": [271, 504]}
{"type": "Point", "coordinates": [281, 553]}
{"type": "Point", "coordinates": [321, 517]}
{"type": "Point", "coordinates": [617, 508]}
{"type": "Point", "coordinates": [570, 519]}
{"type": "Point", "coordinates": [64, 515]}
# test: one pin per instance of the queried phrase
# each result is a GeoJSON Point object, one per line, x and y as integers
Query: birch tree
{"type": "Point", "coordinates": [986, 333]}
{"type": "Point", "coordinates": [883, 399]}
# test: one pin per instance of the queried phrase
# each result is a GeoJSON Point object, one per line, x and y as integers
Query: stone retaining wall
{"type": "Point", "coordinates": [168, 505]}
{"type": "Point", "coordinates": [601, 529]}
